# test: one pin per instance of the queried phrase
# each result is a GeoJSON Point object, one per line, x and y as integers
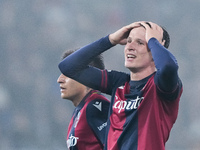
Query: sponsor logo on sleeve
{"type": "Point", "coordinates": [102, 126]}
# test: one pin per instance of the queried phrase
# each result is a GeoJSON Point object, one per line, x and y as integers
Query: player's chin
{"type": "Point", "coordinates": [63, 96]}
{"type": "Point", "coordinates": [131, 68]}
{"type": "Point", "coordinates": [128, 65]}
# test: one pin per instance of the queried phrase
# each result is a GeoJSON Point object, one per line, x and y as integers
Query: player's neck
{"type": "Point", "coordinates": [78, 98]}
{"type": "Point", "coordinates": [136, 76]}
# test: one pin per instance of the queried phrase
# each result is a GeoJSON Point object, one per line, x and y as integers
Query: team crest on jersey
{"type": "Point", "coordinates": [72, 141]}
{"type": "Point", "coordinates": [130, 104]}
{"type": "Point", "coordinates": [77, 119]}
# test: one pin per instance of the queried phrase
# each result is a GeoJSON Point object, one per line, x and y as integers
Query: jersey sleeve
{"type": "Point", "coordinates": [75, 66]}
{"type": "Point", "coordinates": [97, 114]}
{"type": "Point", "coordinates": [166, 78]}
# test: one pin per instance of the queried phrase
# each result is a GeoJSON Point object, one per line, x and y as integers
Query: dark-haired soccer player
{"type": "Point", "coordinates": [144, 103]}
{"type": "Point", "coordinates": [87, 127]}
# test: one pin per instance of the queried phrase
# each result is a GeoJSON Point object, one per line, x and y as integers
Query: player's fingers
{"type": "Point", "coordinates": [155, 26]}
{"type": "Point", "coordinates": [145, 24]}
{"type": "Point", "coordinates": [133, 25]}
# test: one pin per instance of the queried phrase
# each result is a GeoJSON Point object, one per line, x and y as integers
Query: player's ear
{"type": "Point", "coordinates": [163, 42]}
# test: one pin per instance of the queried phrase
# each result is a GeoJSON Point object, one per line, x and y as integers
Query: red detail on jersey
{"type": "Point", "coordinates": [117, 118]}
{"type": "Point", "coordinates": [104, 80]}
{"type": "Point", "coordinates": [83, 133]}
{"type": "Point", "coordinates": [155, 118]}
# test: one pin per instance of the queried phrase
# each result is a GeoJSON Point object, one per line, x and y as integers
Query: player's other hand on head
{"type": "Point", "coordinates": [120, 36]}
{"type": "Point", "coordinates": [153, 30]}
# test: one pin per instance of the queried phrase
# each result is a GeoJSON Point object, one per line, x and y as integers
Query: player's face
{"type": "Point", "coordinates": [137, 55]}
{"type": "Point", "coordinates": [71, 89]}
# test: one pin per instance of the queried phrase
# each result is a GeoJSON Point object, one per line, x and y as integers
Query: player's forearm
{"type": "Point", "coordinates": [82, 57]}
{"type": "Point", "coordinates": [166, 66]}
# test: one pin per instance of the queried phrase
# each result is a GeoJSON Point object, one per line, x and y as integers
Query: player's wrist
{"type": "Point", "coordinates": [111, 39]}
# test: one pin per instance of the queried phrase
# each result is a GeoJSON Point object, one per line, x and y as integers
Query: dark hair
{"type": "Point", "coordinates": [96, 62]}
{"type": "Point", "coordinates": [165, 35]}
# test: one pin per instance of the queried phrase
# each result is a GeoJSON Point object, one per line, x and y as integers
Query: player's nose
{"type": "Point", "coordinates": [60, 79]}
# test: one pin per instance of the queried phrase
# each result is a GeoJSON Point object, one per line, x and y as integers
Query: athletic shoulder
{"type": "Point", "coordinates": [170, 96]}
{"type": "Point", "coordinates": [97, 106]}
{"type": "Point", "coordinates": [116, 78]}
{"type": "Point", "coordinates": [97, 115]}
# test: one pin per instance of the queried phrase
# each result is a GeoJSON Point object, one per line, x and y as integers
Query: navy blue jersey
{"type": "Point", "coordinates": [88, 123]}
{"type": "Point", "coordinates": [141, 113]}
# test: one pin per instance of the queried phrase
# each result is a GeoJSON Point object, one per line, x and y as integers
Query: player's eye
{"type": "Point", "coordinates": [140, 42]}
{"type": "Point", "coordinates": [129, 40]}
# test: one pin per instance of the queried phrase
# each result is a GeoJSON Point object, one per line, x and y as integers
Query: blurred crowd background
{"type": "Point", "coordinates": [35, 33]}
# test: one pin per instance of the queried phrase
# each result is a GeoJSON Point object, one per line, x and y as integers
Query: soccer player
{"type": "Point", "coordinates": [88, 124]}
{"type": "Point", "coordinates": [144, 103]}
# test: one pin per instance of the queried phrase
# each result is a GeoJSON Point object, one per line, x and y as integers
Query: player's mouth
{"type": "Point", "coordinates": [131, 56]}
{"type": "Point", "coordinates": [62, 88]}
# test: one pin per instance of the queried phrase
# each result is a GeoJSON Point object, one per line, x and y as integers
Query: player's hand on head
{"type": "Point", "coordinates": [120, 36]}
{"type": "Point", "coordinates": [153, 30]}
